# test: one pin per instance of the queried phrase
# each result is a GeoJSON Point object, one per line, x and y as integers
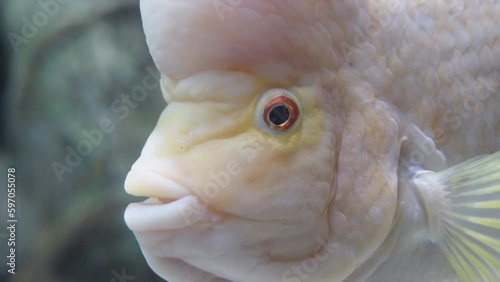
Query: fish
{"type": "Point", "coordinates": [322, 140]}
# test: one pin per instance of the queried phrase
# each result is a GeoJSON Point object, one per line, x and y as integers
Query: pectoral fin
{"type": "Point", "coordinates": [463, 209]}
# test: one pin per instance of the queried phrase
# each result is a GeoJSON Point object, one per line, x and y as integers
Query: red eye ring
{"type": "Point", "coordinates": [281, 113]}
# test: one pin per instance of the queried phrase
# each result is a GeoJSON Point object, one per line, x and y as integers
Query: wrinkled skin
{"type": "Point", "coordinates": [325, 201]}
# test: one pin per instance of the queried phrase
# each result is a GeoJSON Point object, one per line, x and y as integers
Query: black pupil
{"type": "Point", "coordinates": [279, 115]}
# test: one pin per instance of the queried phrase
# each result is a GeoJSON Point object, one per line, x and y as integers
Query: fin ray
{"type": "Point", "coordinates": [463, 208]}
{"type": "Point", "coordinates": [464, 264]}
{"type": "Point", "coordinates": [483, 249]}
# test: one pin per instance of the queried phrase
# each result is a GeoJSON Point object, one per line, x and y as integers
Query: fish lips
{"type": "Point", "coordinates": [170, 206]}
{"type": "Point", "coordinates": [146, 183]}
{"type": "Point", "coordinates": [154, 215]}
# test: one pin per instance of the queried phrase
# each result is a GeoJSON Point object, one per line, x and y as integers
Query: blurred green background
{"type": "Point", "coordinates": [67, 65]}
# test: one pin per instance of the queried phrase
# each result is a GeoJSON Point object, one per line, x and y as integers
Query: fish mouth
{"type": "Point", "coordinates": [169, 205]}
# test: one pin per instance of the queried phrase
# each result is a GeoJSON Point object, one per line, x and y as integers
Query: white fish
{"type": "Point", "coordinates": [315, 140]}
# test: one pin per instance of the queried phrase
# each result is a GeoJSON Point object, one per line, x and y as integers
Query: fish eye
{"type": "Point", "coordinates": [278, 110]}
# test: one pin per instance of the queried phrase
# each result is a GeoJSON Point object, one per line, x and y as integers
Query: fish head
{"type": "Point", "coordinates": [264, 156]}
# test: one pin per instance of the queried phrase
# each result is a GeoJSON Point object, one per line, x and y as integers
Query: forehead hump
{"type": "Point", "coordinates": [190, 36]}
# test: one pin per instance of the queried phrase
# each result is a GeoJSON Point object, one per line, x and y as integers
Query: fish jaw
{"type": "Point", "coordinates": [186, 239]}
{"type": "Point", "coordinates": [230, 250]}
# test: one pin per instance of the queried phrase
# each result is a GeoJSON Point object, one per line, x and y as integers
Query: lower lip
{"type": "Point", "coordinates": [153, 214]}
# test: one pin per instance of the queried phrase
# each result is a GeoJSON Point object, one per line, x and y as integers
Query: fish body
{"type": "Point", "coordinates": [322, 141]}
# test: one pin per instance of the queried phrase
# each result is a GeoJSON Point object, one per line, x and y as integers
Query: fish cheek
{"type": "Point", "coordinates": [250, 147]}
{"type": "Point", "coordinates": [218, 170]}
{"type": "Point", "coordinates": [245, 176]}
